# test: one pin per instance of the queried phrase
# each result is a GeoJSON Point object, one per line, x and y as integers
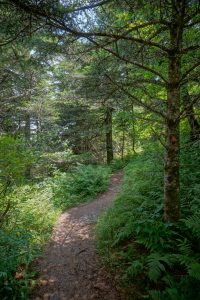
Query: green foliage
{"type": "Point", "coordinates": [80, 185]}
{"type": "Point", "coordinates": [35, 208]}
{"type": "Point", "coordinates": [27, 228]}
{"type": "Point", "coordinates": [62, 161]}
{"type": "Point", "coordinates": [14, 158]}
{"type": "Point", "coordinates": [50, 161]}
{"type": "Point", "coordinates": [162, 259]}
{"type": "Point", "coordinates": [17, 252]}
{"type": "Point", "coordinates": [118, 164]}
{"type": "Point", "coordinates": [67, 103]}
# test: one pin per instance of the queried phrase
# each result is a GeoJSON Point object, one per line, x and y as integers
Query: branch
{"type": "Point", "coordinates": [192, 24]}
{"type": "Point", "coordinates": [137, 100]}
{"type": "Point", "coordinates": [159, 138]}
{"type": "Point", "coordinates": [90, 6]}
{"type": "Point", "coordinates": [18, 34]}
{"type": "Point", "coordinates": [191, 48]}
{"type": "Point", "coordinates": [33, 9]}
{"type": "Point", "coordinates": [189, 71]}
{"type": "Point", "coordinates": [13, 97]}
{"type": "Point", "coordinates": [136, 64]}
{"type": "Point", "coordinates": [147, 119]}
{"type": "Point", "coordinates": [195, 100]}
{"type": "Point", "coordinates": [14, 38]}
{"type": "Point", "coordinates": [3, 79]}
{"type": "Point", "coordinates": [118, 37]}
{"type": "Point", "coordinates": [144, 80]}
{"type": "Point", "coordinates": [130, 62]}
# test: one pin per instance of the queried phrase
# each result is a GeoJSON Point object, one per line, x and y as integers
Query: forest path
{"type": "Point", "coordinates": [71, 268]}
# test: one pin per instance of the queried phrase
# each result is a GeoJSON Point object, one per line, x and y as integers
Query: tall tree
{"type": "Point", "coordinates": [159, 35]}
{"type": "Point", "coordinates": [109, 136]}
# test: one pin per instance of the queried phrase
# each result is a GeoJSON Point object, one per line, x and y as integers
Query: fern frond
{"type": "Point", "coordinates": [156, 266]}
{"type": "Point", "coordinates": [156, 295]}
{"type": "Point", "coordinates": [193, 223]}
{"type": "Point", "coordinates": [185, 247]}
{"type": "Point", "coordinates": [184, 260]}
{"type": "Point", "coordinates": [135, 268]}
{"type": "Point", "coordinates": [194, 270]}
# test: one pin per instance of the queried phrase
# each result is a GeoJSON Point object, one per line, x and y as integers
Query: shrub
{"type": "Point", "coordinates": [80, 185]}
{"type": "Point", "coordinates": [31, 210]}
{"type": "Point", "coordinates": [161, 259]}
{"type": "Point", "coordinates": [15, 157]}
{"type": "Point", "coordinates": [21, 237]}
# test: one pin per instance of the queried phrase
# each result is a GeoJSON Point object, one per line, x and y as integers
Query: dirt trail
{"type": "Point", "coordinates": [71, 268]}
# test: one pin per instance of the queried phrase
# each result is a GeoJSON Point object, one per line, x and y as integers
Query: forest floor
{"type": "Point", "coordinates": [71, 267]}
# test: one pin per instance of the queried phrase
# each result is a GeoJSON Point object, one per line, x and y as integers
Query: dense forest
{"type": "Point", "coordinates": [88, 87]}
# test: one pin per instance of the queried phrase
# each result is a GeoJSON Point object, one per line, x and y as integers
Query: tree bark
{"type": "Point", "coordinates": [133, 128]}
{"type": "Point", "coordinates": [123, 143]}
{"type": "Point", "coordinates": [28, 138]}
{"type": "Point", "coordinates": [27, 129]}
{"type": "Point", "coordinates": [109, 140]}
{"type": "Point", "coordinates": [171, 169]}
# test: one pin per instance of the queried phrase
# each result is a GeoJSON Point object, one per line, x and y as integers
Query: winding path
{"type": "Point", "coordinates": [71, 268]}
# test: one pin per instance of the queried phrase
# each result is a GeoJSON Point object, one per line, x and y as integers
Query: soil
{"type": "Point", "coordinates": [71, 268]}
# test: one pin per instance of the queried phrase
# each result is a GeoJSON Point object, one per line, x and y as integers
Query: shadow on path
{"type": "Point", "coordinates": [71, 268]}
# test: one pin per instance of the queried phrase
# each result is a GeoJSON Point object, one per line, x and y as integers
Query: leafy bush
{"type": "Point", "coordinates": [48, 162]}
{"type": "Point", "coordinates": [62, 161]}
{"type": "Point", "coordinates": [29, 225]}
{"type": "Point", "coordinates": [28, 211]}
{"type": "Point", "coordinates": [80, 185]}
{"type": "Point", "coordinates": [118, 164]}
{"type": "Point", "coordinates": [14, 158]}
{"type": "Point", "coordinates": [34, 210]}
{"type": "Point", "coordinates": [161, 259]}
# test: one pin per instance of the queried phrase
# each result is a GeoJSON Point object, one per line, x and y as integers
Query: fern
{"type": "Point", "coordinates": [165, 256]}
{"type": "Point", "coordinates": [185, 247]}
{"type": "Point", "coordinates": [134, 269]}
{"type": "Point", "coordinates": [182, 260]}
{"type": "Point", "coordinates": [125, 233]}
{"type": "Point", "coordinates": [156, 295]}
{"type": "Point", "coordinates": [155, 265]}
{"type": "Point", "coordinates": [194, 270]}
{"type": "Point", "coordinates": [193, 223]}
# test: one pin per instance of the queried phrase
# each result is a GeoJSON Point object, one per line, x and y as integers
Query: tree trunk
{"type": "Point", "coordinates": [27, 128]}
{"type": "Point", "coordinates": [133, 128]}
{"type": "Point", "coordinates": [123, 143]}
{"type": "Point", "coordinates": [109, 141]}
{"type": "Point", "coordinates": [28, 138]}
{"type": "Point", "coordinates": [171, 169]}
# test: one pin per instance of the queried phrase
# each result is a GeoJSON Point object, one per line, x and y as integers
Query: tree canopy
{"type": "Point", "coordinates": [94, 81]}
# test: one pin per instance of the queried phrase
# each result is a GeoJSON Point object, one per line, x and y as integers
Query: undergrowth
{"type": "Point", "coordinates": [33, 210]}
{"type": "Point", "coordinates": [28, 226]}
{"type": "Point", "coordinates": [153, 259]}
{"type": "Point", "coordinates": [80, 185]}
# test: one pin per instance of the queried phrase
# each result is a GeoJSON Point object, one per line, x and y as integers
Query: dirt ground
{"type": "Point", "coordinates": [71, 267]}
